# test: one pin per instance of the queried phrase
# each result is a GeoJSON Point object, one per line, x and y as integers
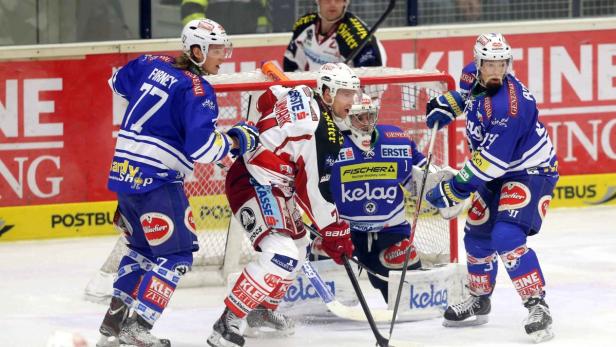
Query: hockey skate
{"type": "Point", "coordinates": [267, 323]}
{"type": "Point", "coordinates": [136, 332]}
{"type": "Point", "coordinates": [472, 311]}
{"type": "Point", "coordinates": [538, 324]}
{"type": "Point", "coordinates": [112, 324]}
{"type": "Point", "coordinates": [227, 331]}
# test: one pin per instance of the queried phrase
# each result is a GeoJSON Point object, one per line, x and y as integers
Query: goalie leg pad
{"type": "Point", "coordinates": [520, 261]}
{"type": "Point", "coordinates": [383, 252]}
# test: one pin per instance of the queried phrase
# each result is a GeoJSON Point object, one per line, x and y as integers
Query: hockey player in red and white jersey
{"type": "Point", "coordinates": [300, 141]}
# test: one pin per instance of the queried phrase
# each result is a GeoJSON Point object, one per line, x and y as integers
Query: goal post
{"type": "Point", "coordinates": [402, 96]}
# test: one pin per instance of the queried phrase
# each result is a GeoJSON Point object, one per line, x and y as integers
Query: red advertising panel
{"type": "Point", "coordinates": [58, 117]}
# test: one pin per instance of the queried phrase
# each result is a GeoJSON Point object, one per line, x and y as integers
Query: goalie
{"type": "Point", "coordinates": [373, 166]}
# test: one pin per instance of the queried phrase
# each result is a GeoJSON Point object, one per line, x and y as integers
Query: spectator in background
{"type": "Point", "coordinates": [101, 21]}
{"type": "Point", "coordinates": [240, 16]}
{"type": "Point", "coordinates": [469, 10]}
{"type": "Point", "coordinates": [17, 22]}
{"type": "Point", "coordinates": [330, 36]}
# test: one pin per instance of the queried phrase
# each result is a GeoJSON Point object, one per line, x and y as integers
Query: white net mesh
{"type": "Point", "coordinates": [402, 97]}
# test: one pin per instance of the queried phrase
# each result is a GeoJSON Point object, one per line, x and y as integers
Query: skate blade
{"type": "Point", "coordinates": [542, 335]}
{"type": "Point", "coordinates": [216, 340]}
{"type": "Point", "coordinates": [260, 333]}
{"type": "Point", "coordinates": [479, 320]}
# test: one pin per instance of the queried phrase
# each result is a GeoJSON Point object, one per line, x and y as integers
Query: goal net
{"type": "Point", "coordinates": [401, 95]}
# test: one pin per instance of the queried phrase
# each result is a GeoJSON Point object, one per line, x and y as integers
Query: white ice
{"type": "Point", "coordinates": [43, 282]}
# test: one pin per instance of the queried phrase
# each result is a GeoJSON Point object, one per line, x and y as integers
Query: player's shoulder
{"type": "Point", "coordinates": [304, 21]}
{"type": "Point", "coordinates": [390, 133]}
{"type": "Point", "coordinates": [468, 76]}
{"type": "Point", "coordinates": [355, 22]}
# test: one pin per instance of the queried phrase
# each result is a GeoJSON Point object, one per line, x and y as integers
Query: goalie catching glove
{"type": "Point", "coordinates": [337, 241]}
{"type": "Point", "coordinates": [247, 137]}
{"type": "Point", "coordinates": [444, 109]}
{"type": "Point", "coordinates": [436, 177]}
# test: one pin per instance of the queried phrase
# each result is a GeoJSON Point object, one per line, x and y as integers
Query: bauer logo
{"type": "Point", "coordinates": [157, 227]}
{"type": "Point", "coordinates": [300, 291]}
{"type": "Point", "coordinates": [434, 297]}
{"type": "Point", "coordinates": [395, 151]}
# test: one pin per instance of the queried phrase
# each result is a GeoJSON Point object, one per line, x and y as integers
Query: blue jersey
{"type": "Point", "coordinates": [505, 136]}
{"type": "Point", "coordinates": [170, 123]}
{"type": "Point", "coordinates": [366, 186]}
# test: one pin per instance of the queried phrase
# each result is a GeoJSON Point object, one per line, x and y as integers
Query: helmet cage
{"type": "Point", "coordinates": [362, 120]}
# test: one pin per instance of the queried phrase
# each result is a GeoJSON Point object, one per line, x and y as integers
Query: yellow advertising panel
{"type": "Point", "coordinates": [585, 190]}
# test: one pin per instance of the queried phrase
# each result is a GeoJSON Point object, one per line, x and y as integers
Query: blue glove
{"type": "Point", "coordinates": [247, 137]}
{"type": "Point", "coordinates": [443, 109]}
{"type": "Point", "coordinates": [445, 195]}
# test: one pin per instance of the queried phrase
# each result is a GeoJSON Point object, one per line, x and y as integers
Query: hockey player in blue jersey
{"type": "Point", "coordinates": [169, 124]}
{"type": "Point", "coordinates": [512, 172]}
{"type": "Point", "coordinates": [374, 163]}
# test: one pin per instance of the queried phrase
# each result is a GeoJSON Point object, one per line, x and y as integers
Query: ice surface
{"type": "Point", "coordinates": [42, 286]}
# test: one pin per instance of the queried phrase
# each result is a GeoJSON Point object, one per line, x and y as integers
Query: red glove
{"type": "Point", "coordinates": [337, 241]}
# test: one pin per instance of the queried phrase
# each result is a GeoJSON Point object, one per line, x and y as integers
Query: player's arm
{"type": "Point", "coordinates": [204, 142]}
{"type": "Point", "coordinates": [491, 160]}
{"type": "Point", "coordinates": [122, 81]}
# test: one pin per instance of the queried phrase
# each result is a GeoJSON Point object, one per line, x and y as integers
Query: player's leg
{"type": "Point", "coordinates": [519, 215]}
{"type": "Point", "coordinates": [481, 263]}
{"type": "Point", "coordinates": [383, 252]}
{"type": "Point", "coordinates": [273, 230]}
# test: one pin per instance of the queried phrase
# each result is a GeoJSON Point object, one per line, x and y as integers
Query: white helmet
{"type": "Point", "coordinates": [204, 32]}
{"type": "Point", "coordinates": [346, 6]}
{"type": "Point", "coordinates": [336, 76]}
{"type": "Point", "coordinates": [362, 120]}
{"type": "Point", "coordinates": [492, 46]}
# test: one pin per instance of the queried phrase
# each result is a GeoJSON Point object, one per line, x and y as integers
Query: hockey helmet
{"type": "Point", "coordinates": [362, 120]}
{"type": "Point", "coordinates": [204, 32]}
{"type": "Point", "coordinates": [336, 76]}
{"type": "Point", "coordinates": [346, 7]}
{"type": "Point", "coordinates": [492, 46]}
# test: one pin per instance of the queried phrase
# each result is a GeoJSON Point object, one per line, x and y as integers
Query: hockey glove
{"type": "Point", "coordinates": [337, 241]}
{"type": "Point", "coordinates": [445, 195]}
{"type": "Point", "coordinates": [443, 109]}
{"type": "Point", "coordinates": [247, 137]}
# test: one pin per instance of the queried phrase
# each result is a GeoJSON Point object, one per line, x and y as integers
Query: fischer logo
{"type": "Point", "coordinates": [366, 193]}
{"type": "Point", "coordinates": [436, 297]}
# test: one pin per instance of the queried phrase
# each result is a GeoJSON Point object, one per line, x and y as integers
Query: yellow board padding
{"type": "Point", "coordinates": [93, 219]}
{"type": "Point", "coordinates": [585, 190]}
{"type": "Point", "coordinates": [57, 221]}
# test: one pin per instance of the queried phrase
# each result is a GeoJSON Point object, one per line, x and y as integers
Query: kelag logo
{"type": "Point", "coordinates": [433, 298]}
{"type": "Point", "coordinates": [298, 292]}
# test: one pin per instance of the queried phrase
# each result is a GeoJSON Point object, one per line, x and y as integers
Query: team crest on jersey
{"type": "Point", "coordinates": [513, 196]}
{"type": "Point", "coordinates": [400, 151]}
{"type": "Point", "coordinates": [345, 154]}
{"type": "Point", "coordinates": [247, 218]}
{"type": "Point", "coordinates": [208, 104]}
{"type": "Point", "coordinates": [157, 227]}
{"type": "Point", "coordinates": [370, 207]}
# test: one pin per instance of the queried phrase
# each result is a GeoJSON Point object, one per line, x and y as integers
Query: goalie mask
{"type": "Point", "coordinates": [344, 9]}
{"type": "Point", "coordinates": [203, 33]}
{"type": "Point", "coordinates": [361, 121]}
